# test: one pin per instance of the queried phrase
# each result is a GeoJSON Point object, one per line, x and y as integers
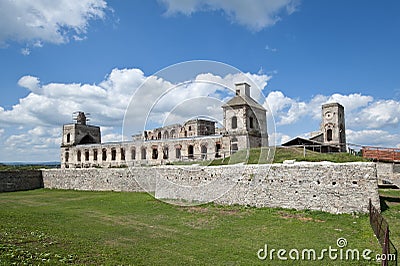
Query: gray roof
{"type": "Point", "coordinates": [239, 100]}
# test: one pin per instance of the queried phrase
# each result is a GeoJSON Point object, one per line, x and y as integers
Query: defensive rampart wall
{"type": "Point", "coordinates": [330, 187]}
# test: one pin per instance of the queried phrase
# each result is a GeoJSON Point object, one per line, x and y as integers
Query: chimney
{"type": "Point", "coordinates": [242, 89]}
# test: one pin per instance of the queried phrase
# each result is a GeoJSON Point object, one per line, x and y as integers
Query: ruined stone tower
{"type": "Point", "coordinates": [78, 133]}
{"type": "Point", "coordinates": [333, 125]}
{"type": "Point", "coordinates": [245, 120]}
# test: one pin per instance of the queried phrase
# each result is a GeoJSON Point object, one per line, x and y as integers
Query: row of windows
{"type": "Point", "coordinates": [143, 153]}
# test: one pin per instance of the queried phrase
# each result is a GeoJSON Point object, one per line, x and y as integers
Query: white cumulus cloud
{"type": "Point", "coordinates": [253, 14]}
{"type": "Point", "coordinates": [373, 137]}
{"type": "Point", "coordinates": [41, 21]}
{"type": "Point", "coordinates": [382, 113]}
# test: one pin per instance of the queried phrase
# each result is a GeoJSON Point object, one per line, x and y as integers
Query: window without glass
{"type": "Point", "coordinates": [251, 122]}
{"type": "Point", "coordinates": [94, 155]}
{"type": "Point", "coordinates": [154, 154]}
{"type": "Point", "coordinates": [204, 152]}
{"type": "Point", "coordinates": [329, 135]}
{"type": "Point", "coordinates": [143, 153]}
{"type": "Point", "coordinates": [178, 153]}
{"type": "Point", "coordinates": [122, 154]}
{"type": "Point", "coordinates": [190, 151]}
{"type": "Point", "coordinates": [113, 154]}
{"type": "Point", "coordinates": [234, 122]}
{"type": "Point", "coordinates": [217, 148]}
{"type": "Point", "coordinates": [133, 154]}
{"type": "Point", "coordinates": [166, 135]}
{"type": "Point", "coordinates": [78, 155]}
{"type": "Point", "coordinates": [165, 153]}
{"type": "Point", "coordinates": [104, 155]}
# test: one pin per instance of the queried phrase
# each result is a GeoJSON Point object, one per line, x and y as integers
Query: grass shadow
{"type": "Point", "coordinates": [385, 199]}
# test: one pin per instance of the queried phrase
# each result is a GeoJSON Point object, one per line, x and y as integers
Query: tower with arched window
{"type": "Point", "coordinates": [333, 125]}
{"type": "Point", "coordinates": [78, 133]}
{"type": "Point", "coordinates": [245, 120]}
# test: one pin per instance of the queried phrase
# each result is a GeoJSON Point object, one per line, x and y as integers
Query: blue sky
{"type": "Point", "coordinates": [91, 55]}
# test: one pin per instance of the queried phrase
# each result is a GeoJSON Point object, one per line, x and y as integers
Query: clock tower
{"type": "Point", "coordinates": [333, 125]}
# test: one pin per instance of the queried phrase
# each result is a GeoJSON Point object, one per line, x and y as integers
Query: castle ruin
{"type": "Point", "coordinates": [244, 127]}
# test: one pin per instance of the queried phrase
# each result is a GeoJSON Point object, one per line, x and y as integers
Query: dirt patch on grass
{"type": "Point", "coordinates": [208, 222]}
{"type": "Point", "coordinates": [216, 211]}
{"type": "Point", "coordinates": [298, 216]}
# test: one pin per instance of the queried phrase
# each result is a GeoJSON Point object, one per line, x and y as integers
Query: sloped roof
{"type": "Point", "coordinates": [316, 136]}
{"type": "Point", "coordinates": [301, 141]}
{"type": "Point", "coordinates": [239, 100]}
{"type": "Point", "coordinates": [323, 147]}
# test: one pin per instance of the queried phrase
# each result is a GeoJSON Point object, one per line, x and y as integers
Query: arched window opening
{"type": "Point", "coordinates": [217, 148]}
{"type": "Point", "coordinates": [133, 154]}
{"type": "Point", "coordinates": [178, 152]}
{"type": "Point", "coordinates": [143, 154]}
{"type": "Point", "coordinates": [68, 137]}
{"type": "Point", "coordinates": [78, 155]}
{"type": "Point", "coordinates": [113, 154]}
{"type": "Point", "coordinates": [165, 153]}
{"type": "Point", "coordinates": [122, 154]}
{"type": "Point", "coordinates": [251, 122]}
{"type": "Point", "coordinates": [104, 155]}
{"type": "Point", "coordinates": [329, 135]}
{"type": "Point", "coordinates": [86, 155]}
{"type": "Point", "coordinates": [159, 135]}
{"type": "Point", "coordinates": [190, 151]}
{"type": "Point", "coordinates": [204, 152]}
{"type": "Point", "coordinates": [94, 155]}
{"type": "Point", "coordinates": [154, 154]}
{"type": "Point", "coordinates": [66, 156]}
{"type": "Point", "coordinates": [87, 140]}
{"type": "Point", "coordinates": [234, 147]}
{"type": "Point", "coordinates": [166, 135]}
{"type": "Point", "coordinates": [234, 122]}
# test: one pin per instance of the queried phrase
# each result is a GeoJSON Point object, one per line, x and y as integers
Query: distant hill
{"type": "Point", "coordinates": [30, 163]}
{"type": "Point", "coordinates": [27, 165]}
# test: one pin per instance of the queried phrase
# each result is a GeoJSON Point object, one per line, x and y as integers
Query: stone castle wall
{"type": "Point", "coordinates": [334, 188]}
{"type": "Point", "coordinates": [20, 180]}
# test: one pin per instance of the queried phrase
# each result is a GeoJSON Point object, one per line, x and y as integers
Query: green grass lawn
{"type": "Point", "coordinates": [390, 201]}
{"type": "Point", "coordinates": [280, 154]}
{"type": "Point", "coordinates": [115, 228]}
{"type": "Point", "coordinates": [297, 154]}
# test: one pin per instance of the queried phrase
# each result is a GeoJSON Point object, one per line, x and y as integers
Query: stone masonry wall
{"type": "Point", "coordinates": [97, 179]}
{"type": "Point", "coordinates": [334, 188]}
{"type": "Point", "coordinates": [20, 180]}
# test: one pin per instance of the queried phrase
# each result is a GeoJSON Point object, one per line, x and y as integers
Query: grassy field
{"type": "Point", "coordinates": [260, 156]}
{"type": "Point", "coordinates": [51, 227]}
{"type": "Point", "coordinates": [390, 202]}
{"type": "Point", "coordinates": [297, 154]}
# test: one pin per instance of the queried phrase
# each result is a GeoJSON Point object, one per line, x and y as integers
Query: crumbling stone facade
{"type": "Point", "coordinates": [245, 126]}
